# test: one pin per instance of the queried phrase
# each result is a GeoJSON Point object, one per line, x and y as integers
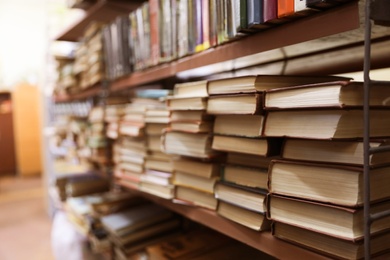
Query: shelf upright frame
{"type": "Point", "coordinates": [368, 151]}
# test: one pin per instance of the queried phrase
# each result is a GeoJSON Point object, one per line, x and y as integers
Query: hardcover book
{"type": "Point", "coordinates": [239, 125]}
{"type": "Point", "coordinates": [245, 176]}
{"type": "Point", "coordinates": [251, 104]}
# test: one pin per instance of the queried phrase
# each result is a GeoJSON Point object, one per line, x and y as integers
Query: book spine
{"type": "Point", "coordinates": [206, 23]}
{"type": "Point", "coordinates": [243, 16]}
{"type": "Point", "coordinates": [174, 26]}
{"type": "Point", "coordinates": [270, 10]}
{"type": "Point", "coordinates": [285, 8]}
{"type": "Point", "coordinates": [198, 26]}
{"type": "Point", "coordinates": [154, 31]}
{"type": "Point", "coordinates": [147, 42]}
{"type": "Point", "coordinates": [183, 28]}
{"type": "Point", "coordinates": [191, 26]}
{"type": "Point", "coordinates": [213, 20]}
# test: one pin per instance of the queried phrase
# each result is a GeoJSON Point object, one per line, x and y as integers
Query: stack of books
{"type": "Point", "coordinates": [317, 187]}
{"type": "Point", "coordinates": [113, 116]}
{"type": "Point", "coordinates": [97, 140]}
{"type": "Point", "coordinates": [132, 229]}
{"type": "Point", "coordinates": [189, 136]}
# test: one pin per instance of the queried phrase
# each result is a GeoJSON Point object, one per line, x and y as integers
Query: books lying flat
{"type": "Point", "coordinates": [325, 124]}
{"type": "Point", "coordinates": [194, 103]}
{"type": "Point", "coordinates": [239, 125]}
{"type": "Point", "coordinates": [246, 104]}
{"type": "Point", "coordinates": [342, 222]}
{"type": "Point", "coordinates": [328, 245]}
{"type": "Point", "coordinates": [135, 218]}
{"type": "Point", "coordinates": [155, 128]}
{"type": "Point", "coordinates": [250, 219]}
{"type": "Point", "coordinates": [336, 184]}
{"type": "Point", "coordinates": [131, 129]}
{"type": "Point", "coordinates": [251, 199]}
{"type": "Point", "coordinates": [195, 115]}
{"type": "Point", "coordinates": [158, 164]}
{"type": "Point", "coordinates": [246, 176]}
{"type": "Point", "coordinates": [263, 146]}
{"type": "Point", "coordinates": [196, 197]}
{"type": "Point", "coordinates": [250, 84]}
{"type": "Point", "coordinates": [195, 182]}
{"type": "Point", "coordinates": [332, 94]}
{"type": "Point", "coordinates": [192, 127]}
{"type": "Point", "coordinates": [332, 151]}
{"type": "Point", "coordinates": [187, 144]}
{"type": "Point", "coordinates": [197, 168]}
{"type": "Point", "coordinates": [163, 191]}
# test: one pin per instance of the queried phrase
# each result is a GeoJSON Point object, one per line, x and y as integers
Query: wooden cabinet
{"type": "Point", "coordinates": [7, 144]}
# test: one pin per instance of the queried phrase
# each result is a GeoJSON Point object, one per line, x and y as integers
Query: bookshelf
{"type": "Point", "coordinates": [265, 47]}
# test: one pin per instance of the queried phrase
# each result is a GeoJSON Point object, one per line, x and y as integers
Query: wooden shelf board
{"type": "Point", "coordinates": [305, 29]}
{"type": "Point", "coordinates": [263, 241]}
{"type": "Point", "coordinates": [103, 11]}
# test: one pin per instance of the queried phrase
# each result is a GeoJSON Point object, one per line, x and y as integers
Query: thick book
{"type": "Point", "coordinates": [255, 14]}
{"type": "Point", "coordinates": [328, 245]}
{"type": "Point", "coordinates": [248, 198]}
{"type": "Point", "coordinates": [196, 197]}
{"type": "Point", "coordinates": [191, 89]}
{"type": "Point", "coordinates": [336, 184]}
{"type": "Point", "coordinates": [190, 115]}
{"type": "Point", "coordinates": [249, 160]}
{"type": "Point", "coordinates": [194, 103]}
{"type": "Point", "coordinates": [195, 182]}
{"type": "Point", "coordinates": [245, 176]}
{"type": "Point", "coordinates": [243, 104]}
{"type": "Point", "coordinates": [188, 144]}
{"type": "Point", "coordinates": [339, 94]}
{"type": "Point", "coordinates": [239, 125]}
{"type": "Point", "coordinates": [326, 124]}
{"type": "Point", "coordinates": [196, 167]}
{"type": "Point", "coordinates": [332, 151]}
{"type": "Point", "coordinates": [247, 218]}
{"type": "Point", "coordinates": [192, 127]}
{"type": "Point", "coordinates": [342, 222]}
{"type": "Point", "coordinates": [258, 83]}
{"type": "Point", "coordinates": [255, 146]}
{"type": "Point", "coordinates": [163, 191]}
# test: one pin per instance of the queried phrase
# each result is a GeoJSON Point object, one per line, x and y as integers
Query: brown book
{"type": "Point", "coordinates": [191, 89]}
{"type": "Point", "coordinates": [192, 103]}
{"type": "Point", "coordinates": [328, 183]}
{"type": "Point", "coordinates": [332, 151]}
{"type": "Point", "coordinates": [196, 167]}
{"type": "Point", "coordinates": [195, 182]}
{"type": "Point", "coordinates": [339, 94]}
{"type": "Point", "coordinates": [249, 198]}
{"type": "Point", "coordinates": [342, 222]}
{"type": "Point", "coordinates": [239, 125]}
{"type": "Point", "coordinates": [255, 146]}
{"type": "Point", "coordinates": [185, 116]}
{"type": "Point", "coordinates": [258, 83]}
{"type": "Point", "coordinates": [248, 218]}
{"type": "Point", "coordinates": [163, 191]}
{"type": "Point", "coordinates": [196, 197]}
{"type": "Point", "coordinates": [245, 176]}
{"type": "Point", "coordinates": [328, 245]}
{"type": "Point", "coordinates": [242, 104]}
{"type": "Point", "coordinates": [325, 124]}
{"type": "Point", "coordinates": [249, 160]}
{"type": "Point", "coordinates": [154, 7]}
{"type": "Point", "coordinates": [193, 126]}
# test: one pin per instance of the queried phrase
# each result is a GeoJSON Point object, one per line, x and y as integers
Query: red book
{"type": "Point", "coordinates": [285, 8]}
{"type": "Point", "coordinates": [154, 31]}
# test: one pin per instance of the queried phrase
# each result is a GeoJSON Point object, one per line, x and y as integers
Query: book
{"type": "Point", "coordinates": [270, 11]}
{"type": "Point", "coordinates": [157, 177]}
{"type": "Point", "coordinates": [339, 94]}
{"type": "Point", "coordinates": [244, 197]}
{"type": "Point", "coordinates": [255, 146]}
{"type": "Point", "coordinates": [163, 191]}
{"type": "Point", "coordinates": [182, 28]}
{"type": "Point", "coordinates": [332, 151]}
{"type": "Point", "coordinates": [196, 197]}
{"type": "Point", "coordinates": [253, 83]}
{"type": "Point", "coordinates": [191, 89]}
{"type": "Point", "coordinates": [155, 40]}
{"type": "Point", "coordinates": [187, 116]}
{"type": "Point", "coordinates": [187, 144]}
{"type": "Point", "coordinates": [192, 127]}
{"type": "Point", "coordinates": [235, 104]}
{"type": "Point", "coordinates": [250, 219]}
{"type": "Point", "coordinates": [194, 103]}
{"type": "Point", "coordinates": [328, 245]}
{"type": "Point", "coordinates": [154, 143]}
{"type": "Point", "coordinates": [155, 128]}
{"type": "Point", "coordinates": [239, 125]}
{"type": "Point", "coordinates": [255, 14]}
{"type": "Point", "coordinates": [325, 124]}
{"type": "Point", "coordinates": [195, 182]}
{"type": "Point", "coordinates": [285, 8]}
{"type": "Point", "coordinates": [135, 218]}
{"type": "Point", "coordinates": [245, 176]}
{"type": "Point", "coordinates": [342, 222]}
{"type": "Point", "coordinates": [158, 164]}
{"type": "Point", "coordinates": [328, 183]}
{"type": "Point", "coordinates": [249, 160]}
{"type": "Point", "coordinates": [196, 167]}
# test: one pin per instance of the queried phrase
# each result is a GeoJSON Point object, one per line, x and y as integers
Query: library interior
{"type": "Point", "coordinates": [194, 129]}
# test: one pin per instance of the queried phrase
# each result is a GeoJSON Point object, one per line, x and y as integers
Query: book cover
{"type": "Point", "coordinates": [154, 31]}
{"type": "Point", "coordinates": [285, 8]}
{"type": "Point", "coordinates": [244, 104]}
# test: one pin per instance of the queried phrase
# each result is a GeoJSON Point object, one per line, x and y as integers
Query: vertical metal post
{"type": "Point", "coordinates": [366, 136]}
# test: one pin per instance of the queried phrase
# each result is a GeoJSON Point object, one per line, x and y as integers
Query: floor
{"type": "Point", "coordinates": [25, 225]}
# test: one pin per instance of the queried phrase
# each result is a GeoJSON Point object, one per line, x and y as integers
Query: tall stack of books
{"type": "Point", "coordinates": [97, 140]}
{"type": "Point", "coordinates": [189, 136]}
{"type": "Point", "coordinates": [113, 116]}
{"type": "Point", "coordinates": [157, 178]}
{"type": "Point", "coordinates": [317, 187]}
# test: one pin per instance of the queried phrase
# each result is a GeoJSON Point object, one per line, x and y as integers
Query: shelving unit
{"type": "Point", "coordinates": [253, 50]}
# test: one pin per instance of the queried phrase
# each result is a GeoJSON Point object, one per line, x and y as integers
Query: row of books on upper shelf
{"type": "Point", "coordinates": [165, 30]}
{"type": "Point", "coordinates": [127, 226]}
{"type": "Point", "coordinates": [269, 148]}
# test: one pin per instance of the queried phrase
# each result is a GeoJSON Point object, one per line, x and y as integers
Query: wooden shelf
{"type": "Point", "coordinates": [103, 11]}
{"type": "Point", "coordinates": [87, 93]}
{"type": "Point", "coordinates": [263, 241]}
